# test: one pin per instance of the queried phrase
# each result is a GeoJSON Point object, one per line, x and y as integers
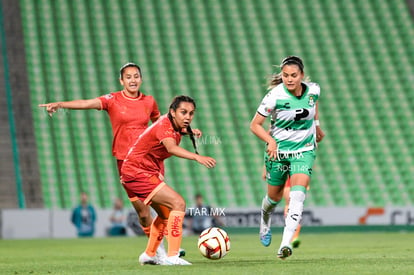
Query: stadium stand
{"type": "Point", "coordinates": [20, 183]}
{"type": "Point", "coordinates": [360, 52]}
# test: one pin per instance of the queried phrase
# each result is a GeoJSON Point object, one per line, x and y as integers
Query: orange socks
{"type": "Point", "coordinates": [146, 230]}
{"type": "Point", "coordinates": [175, 232]}
{"type": "Point", "coordinates": [155, 236]}
{"type": "Point", "coordinates": [174, 226]}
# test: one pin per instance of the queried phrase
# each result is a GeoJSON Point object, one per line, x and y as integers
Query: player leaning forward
{"type": "Point", "coordinates": [291, 104]}
{"type": "Point", "coordinates": [142, 176]}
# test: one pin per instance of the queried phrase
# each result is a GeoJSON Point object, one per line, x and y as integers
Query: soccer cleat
{"type": "Point", "coordinates": [181, 252]}
{"type": "Point", "coordinates": [161, 252]}
{"type": "Point", "coordinates": [265, 231]}
{"type": "Point", "coordinates": [266, 237]}
{"type": "Point", "coordinates": [295, 243]}
{"type": "Point", "coordinates": [175, 260]}
{"type": "Point", "coordinates": [284, 252]}
{"type": "Point", "coordinates": [145, 259]}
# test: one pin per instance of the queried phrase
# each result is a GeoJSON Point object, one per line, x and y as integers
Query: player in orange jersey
{"type": "Point", "coordinates": [129, 111]}
{"type": "Point", "coordinates": [142, 176]}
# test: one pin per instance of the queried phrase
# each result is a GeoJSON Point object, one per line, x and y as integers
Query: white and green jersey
{"type": "Point", "coordinates": [291, 117]}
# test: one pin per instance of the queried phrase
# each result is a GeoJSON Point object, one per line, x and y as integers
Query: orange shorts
{"type": "Point", "coordinates": [143, 186]}
{"type": "Point", "coordinates": [131, 196]}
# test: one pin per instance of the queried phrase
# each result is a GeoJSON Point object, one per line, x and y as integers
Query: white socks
{"type": "Point", "coordinates": [294, 214]}
{"type": "Point", "coordinates": [267, 207]}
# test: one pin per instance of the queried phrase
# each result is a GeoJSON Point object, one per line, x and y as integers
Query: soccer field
{"type": "Point", "coordinates": [329, 253]}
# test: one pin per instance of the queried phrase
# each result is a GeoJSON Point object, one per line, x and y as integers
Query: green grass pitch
{"type": "Point", "coordinates": [320, 253]}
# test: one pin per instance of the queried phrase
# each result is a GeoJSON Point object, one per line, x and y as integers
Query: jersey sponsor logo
{"type": "Point", "coordinates": [301, 113]}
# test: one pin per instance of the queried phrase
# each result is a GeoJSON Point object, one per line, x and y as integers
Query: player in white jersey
{"type": "Point", "coordinates": [292, 105]}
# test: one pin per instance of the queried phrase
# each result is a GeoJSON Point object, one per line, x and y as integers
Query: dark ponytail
{"type": "Point", "coordinates": [191, 134]}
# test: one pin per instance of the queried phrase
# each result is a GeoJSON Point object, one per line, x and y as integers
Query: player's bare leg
{"type": "Point", "coordinates": [146, 220]}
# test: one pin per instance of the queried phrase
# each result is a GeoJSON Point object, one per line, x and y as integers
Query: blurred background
{"type": "Point", "coordinates": [221, 53]}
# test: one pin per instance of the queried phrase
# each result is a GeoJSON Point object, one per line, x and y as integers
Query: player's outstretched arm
{"type": "Point", "coordinates": [180, 152]}
{"type": "Point", "coordinates": [81, 104]}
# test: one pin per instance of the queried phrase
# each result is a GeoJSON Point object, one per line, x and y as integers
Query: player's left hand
{"type": "Point", "coordinates": [197, 133]}
{"type": "Point", "coordinates": [208, 162]}
{"type": "Point", "coordinates": [319, 134]}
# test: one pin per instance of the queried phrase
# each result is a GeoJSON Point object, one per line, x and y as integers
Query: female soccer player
{"type": "Point", "coordinates": [295, 242]}
{"type": "Point", "coordinates": [129, 111]}
{"type": "Point", "coordinates": [291, 142]}
{"type": "Point", "coordinates": [142, 176]}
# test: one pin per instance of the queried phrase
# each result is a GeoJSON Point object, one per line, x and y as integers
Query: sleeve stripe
{"type": "Point", "coordinates": [261, 114]}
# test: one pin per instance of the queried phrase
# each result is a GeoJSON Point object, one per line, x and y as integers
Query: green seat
{"type": "Point", "coordinates": [221, 53]}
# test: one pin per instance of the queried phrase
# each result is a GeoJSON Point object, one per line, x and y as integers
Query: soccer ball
{"type": "Point", "coordinates": [214, 243]}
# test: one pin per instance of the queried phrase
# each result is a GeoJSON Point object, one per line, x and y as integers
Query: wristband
{"type": "Point", "coordinates": [317, 122]}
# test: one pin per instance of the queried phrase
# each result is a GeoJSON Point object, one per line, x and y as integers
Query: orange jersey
{"type": "Point", "coordinates": [129, 118]}
{"type": "Point", "coordinates": [147, 155]}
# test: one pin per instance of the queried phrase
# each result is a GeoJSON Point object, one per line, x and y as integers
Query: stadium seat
{"type": "Point", "coordinates": [221, 53]}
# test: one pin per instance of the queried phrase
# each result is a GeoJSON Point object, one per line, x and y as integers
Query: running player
{"type": "Point", "coordinates": [266, 238]}
{"type": "Point", "coordinates": [129, 111]}
{"type": "Point", "coordinates": [290, 145]}
{"type": "Point", "coordinates": [142, 176]}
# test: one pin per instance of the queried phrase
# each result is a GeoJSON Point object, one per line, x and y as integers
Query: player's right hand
{"type": "Point", "coordinates": [51, 107]}
{"type": "Point", "coordinates": [271, 150]}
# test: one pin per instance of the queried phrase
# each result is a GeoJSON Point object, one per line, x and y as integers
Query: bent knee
{"type": "Point", "coordinates": [178, 204]}
{"type": "Point", "coordinates": [142, 210]}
